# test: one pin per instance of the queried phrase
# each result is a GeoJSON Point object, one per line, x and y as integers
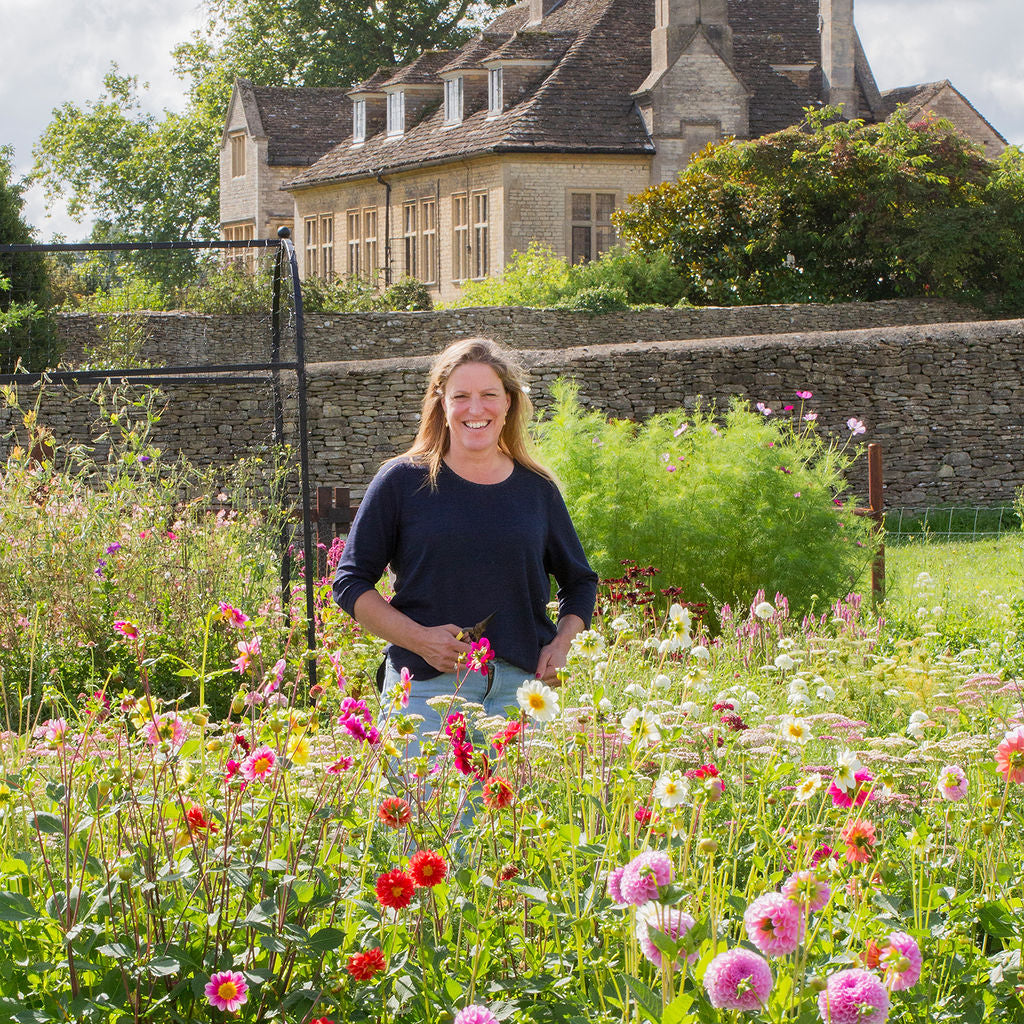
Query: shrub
{"type": "Point", "coordinates": [723, 507]}
{"type": "Point", "coordinates": [602, 298]}
{"type": "Point", "coordinates": [407, 294]}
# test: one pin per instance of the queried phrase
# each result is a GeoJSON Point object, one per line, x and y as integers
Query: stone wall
{"type": "Point", "coordinates": [190, 338]}
{"type": "Point", "coordinates": [945, 401]}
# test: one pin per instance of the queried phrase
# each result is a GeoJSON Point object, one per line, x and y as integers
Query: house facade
{"type": "Point", "coordinates": [537, 130]}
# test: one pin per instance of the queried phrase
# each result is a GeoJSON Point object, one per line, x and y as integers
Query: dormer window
{"type": "Point", "coordinates": [495, 97]}
{"type": "Point", "coordinates": [359, 120]}
{"type": "Point", "coordinates": [396, 113]}
{"type": "Point", "coordinates": [453, 100]}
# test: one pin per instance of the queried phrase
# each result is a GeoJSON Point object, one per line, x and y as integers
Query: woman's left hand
{"type": "Point", "coordinates": [553, 655]}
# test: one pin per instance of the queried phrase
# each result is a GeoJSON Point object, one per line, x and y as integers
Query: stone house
{"type": "Point", "coordinates": [538, 129]}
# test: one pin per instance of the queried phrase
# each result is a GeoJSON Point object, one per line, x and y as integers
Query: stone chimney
{"type": "Point", "coordinates": [838, 55]}
{"type": "Point", "coordinates": [539, 10]}
{"type": "Point", "coordinates": [674, 22]}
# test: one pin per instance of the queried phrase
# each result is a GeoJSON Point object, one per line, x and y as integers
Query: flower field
{"type": "Point", "coordinates": [815, 820]}
{"type": "Point", "coordinates": [722, 814]}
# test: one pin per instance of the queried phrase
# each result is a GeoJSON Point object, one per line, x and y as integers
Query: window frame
{"type": "Point", "coordinates": [309, 245]}
{"type": "Point", "coordinates": [326, 239]}
{"type": "Point", "coordinates": [480, 239]}
{"type": "Point", "coordinates": [428, 239]}
{"type": "Point", "coordinates": [237, 143]}
{"type": "Point", "coordinates": [353, 242]}
{"type": "Point", "coordinates": [359, 120]}
{"type": "Point", "coordinates": [410, 237]}
{"type": "Point", "coordinates": [454, 99]}
{"type": "Point", "coordinates": [396, 113]}
{"type": "Point", "coordinates": [461, 238]}
{"type": "Point", "coordinates": [495, 91]}
{"type": "Point", "coordinates": [591, 224]}
{"type": "Point", "coordinates": [371, 252]}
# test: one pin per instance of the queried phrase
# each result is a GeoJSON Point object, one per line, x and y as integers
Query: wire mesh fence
{"type": "Point", "coordinates": [950, 523]}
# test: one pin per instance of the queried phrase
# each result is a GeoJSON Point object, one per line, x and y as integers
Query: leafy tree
{"type": "Point", "coordinates": [154, 178]}
{"type": "Point", "coordinates": [833, 210]}
{"type": "Point", "coordinates": [26, 330]}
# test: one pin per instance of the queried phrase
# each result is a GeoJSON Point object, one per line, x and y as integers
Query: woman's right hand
{"type": "Point", "coordinates": [441, 648]}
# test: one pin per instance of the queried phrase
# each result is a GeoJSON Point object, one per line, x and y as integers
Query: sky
{"type": "Point", "coordinates": [57, 51]}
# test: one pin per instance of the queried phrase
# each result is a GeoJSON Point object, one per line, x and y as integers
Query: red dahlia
{"type": "Point", "coordinates": [395, 889]}
{"type": "Point", "coordinates": [497, 793]}
{"type": "Point", "coordinates": [394, 812]}
{"type": "Point", "coordinates": [363, 966]}
{"type": "Point", "coordinates": [197, 820]}
{"type": "Point", "coordinates": [427, 868]}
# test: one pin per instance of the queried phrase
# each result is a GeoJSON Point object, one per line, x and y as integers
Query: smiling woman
{"type": "Point", "coordinates": [473, 527]}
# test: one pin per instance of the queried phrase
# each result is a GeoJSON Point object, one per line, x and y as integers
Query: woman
{"type": "Point", "coordinates": [472, 526]}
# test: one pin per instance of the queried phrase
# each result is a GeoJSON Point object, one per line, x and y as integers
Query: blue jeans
{"type": "Point", "coordinates": [495, 695]}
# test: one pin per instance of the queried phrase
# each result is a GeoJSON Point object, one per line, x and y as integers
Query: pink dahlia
{"type": "Point", "coordinates": [901, 960]}
{"type": "Point", "coordinates": [774, 924]}
{"type": "Point", "coordinates": [475, 1014]}
{"type": "Point", "coordinates": [227, 991]}
{"type": "Point", "coordinates": [738, 979]}
{"type": "Point", "coordinates": [952, 783]}
{"type": "Point", "coordinates": [863, 790]}
{"type": "Point", "coordinates": [615, 886]}
{"type": "Point", "coordinates": [643, 876]}
{"type": "Point", "coordinates": [1010, 756]}
{"type": "Point", "coordinates": [169, 727]}
{"type": "Point", "coordinates": [807, 890]}
{"type": "Point", "coordinates": [854, 996]}
{"type": "Point", "coordinates": [231, 615]}
{"type": "Point", "coordinates": [259, 764]}
{"type": "Point", "coordinates": [669, 921]}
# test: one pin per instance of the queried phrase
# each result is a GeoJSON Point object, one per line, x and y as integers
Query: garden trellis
{"type": "Point", "coordinates": [283, 370]}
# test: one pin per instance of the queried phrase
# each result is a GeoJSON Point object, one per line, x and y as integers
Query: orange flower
{"type": "Point", "coordinates": [394, 812]}
{"type": "Point", "coordinates": [197, 820]}
{"type": "Point", "coordinates": [859, 837]}
{"type": "Point", "coordinates": [497, 793]}
{"type": "Point", "coordinates": [1010, 756]}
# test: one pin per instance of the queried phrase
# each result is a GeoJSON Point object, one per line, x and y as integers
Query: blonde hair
{"type": "Point", "coordinates": [432, 441]}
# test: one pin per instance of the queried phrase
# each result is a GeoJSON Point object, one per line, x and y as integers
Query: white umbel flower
{"type": "Point", "coordinates": [537, 700]}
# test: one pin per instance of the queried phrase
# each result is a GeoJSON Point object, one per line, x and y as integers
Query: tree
{"type": "Point", "coordinates": [833, 210]}
{"type": "Point", "coordinates": [26, 330]}
{"type": "Point", "coordinates": [154, 178]}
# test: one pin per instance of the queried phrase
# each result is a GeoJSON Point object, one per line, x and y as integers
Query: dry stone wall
{"type": "Point", "coordinates": [188, 338]}
{"type": "Point", "coordinates": [945, 400]}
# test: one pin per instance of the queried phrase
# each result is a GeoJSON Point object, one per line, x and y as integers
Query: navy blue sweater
{"type": "Point", "coordinates": [465, 550]}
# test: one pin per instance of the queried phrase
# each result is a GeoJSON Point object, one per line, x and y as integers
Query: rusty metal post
{"type": "Point", "coordinates": [875, 510]}
{"type": "Point", "coordinates": [333, 517]}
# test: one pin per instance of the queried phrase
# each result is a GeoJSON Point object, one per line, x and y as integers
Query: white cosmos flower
{"type": "Point", "coordinates": [538, 700]}
{"type": "Point", "coordinates": [796, 730]}
{"type": "Point", "coordinates": [784, 662]}
{"type": "Point", "coordinates": [641, 726]}
{"type": "Point", "coordinates": [672, 789]}
{"type": "Point", "coordinates": [764, 610]}
{"type": "Point", "coordinates": [848, 766]}
{"type": "Point", "coordinates": [808, 787]}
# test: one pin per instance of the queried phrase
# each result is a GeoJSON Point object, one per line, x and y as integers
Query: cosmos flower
{"type": "Point", "coordinates": [537, 700]}
{"type": "Point", "coordinates": [671, 789]}
{"type": "Point", "coordinates": [227, 991]}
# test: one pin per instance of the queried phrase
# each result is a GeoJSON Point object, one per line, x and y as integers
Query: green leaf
{"type": "Point", "coordinates": [326, 939]}
{"type": "Point", "coordinates": [46, 822]}
{"type": "Point", "coordinates": [678, 1011]}
{"type": "Point", "coordinates": [163, 967]}
{"type": "Point", "coordinates": [648, 1000]}
{"type": "Point", "coordinates": [996, 919]}
{"type": "Point", "coordinates": [14, 907]}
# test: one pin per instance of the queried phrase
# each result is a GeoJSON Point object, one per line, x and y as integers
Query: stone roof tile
{"type": "Point", "coordinates": [302, 124]}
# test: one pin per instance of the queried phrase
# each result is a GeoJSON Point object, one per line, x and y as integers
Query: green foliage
{"type": "Point", "coordinates": [26, 329]}
{"type": "Point", "coordinates": [724, 508]}
{"type": "Point", "coordinates": [540, 279]}
{"type": "Point", "coordinates": [90, 536]}
{"type": "Point", "coordinates": [145, 178]}
{"type": "Point", "coordinates": [407, 294]}
{"type": "Point", "coordinates": [832, 210]}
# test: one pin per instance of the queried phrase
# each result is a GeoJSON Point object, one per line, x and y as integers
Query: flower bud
{"type": "Point", "coordinates": [708, 846]}
{"type": "Point", "coordinates": [237, 704]}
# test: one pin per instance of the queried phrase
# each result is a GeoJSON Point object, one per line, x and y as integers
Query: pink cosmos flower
{"type": "Point", "coordinates": [55, 731]}
{"type": "Point", "coordinates": [804, 395]}
{"type": "Point", "coordinates": [227, 991]}
{"type": "Point", "coordinates": [169, 726]}
{"type": "Point", "coordinates": [475, 1014]}
{"type": "Point", "coordinates": [669, 921]}
{"type": "Point", "coordinates": [1010, 756]}
{"type": "Point", "coordinates": [405, 686]}
{"type": "Point", "coordinates": [232, 616]}
{"type": "Point", "coordinates": [774, 924]}
{"type": "Point", "coordinates": [810, 417]}
{"type": "Point", "coordinates": [952, 783]}
{"type": "Point", "coordinates": [341, 765]}
{"type": "Point", "coordinates": [247, 650]}
{"type": "Point", "coordinates": [738, 979]}
{"type": "Point", "coordinates": [862, 791]}
{"type": "Point", "coordinates": [259, 764]}
{"type": "Point", "coordinates": [807, 890]}
{"type": "Point", "coordinates": [480, 654]}
{"type": "Point", "coordinates": [855, 426]}
{"type": "Point", "coordinates": [231, 769]}
{"type": "Point", "coordinates": [901, 961]}
{"type": "Point", "coordinates": [854, 996]}
{"type": "Point", "coordinates": [643, 876]}
{"type": "Point", "coordinates": [126, 628]}
{"type": "Point", "coordinates": [763, 409]}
